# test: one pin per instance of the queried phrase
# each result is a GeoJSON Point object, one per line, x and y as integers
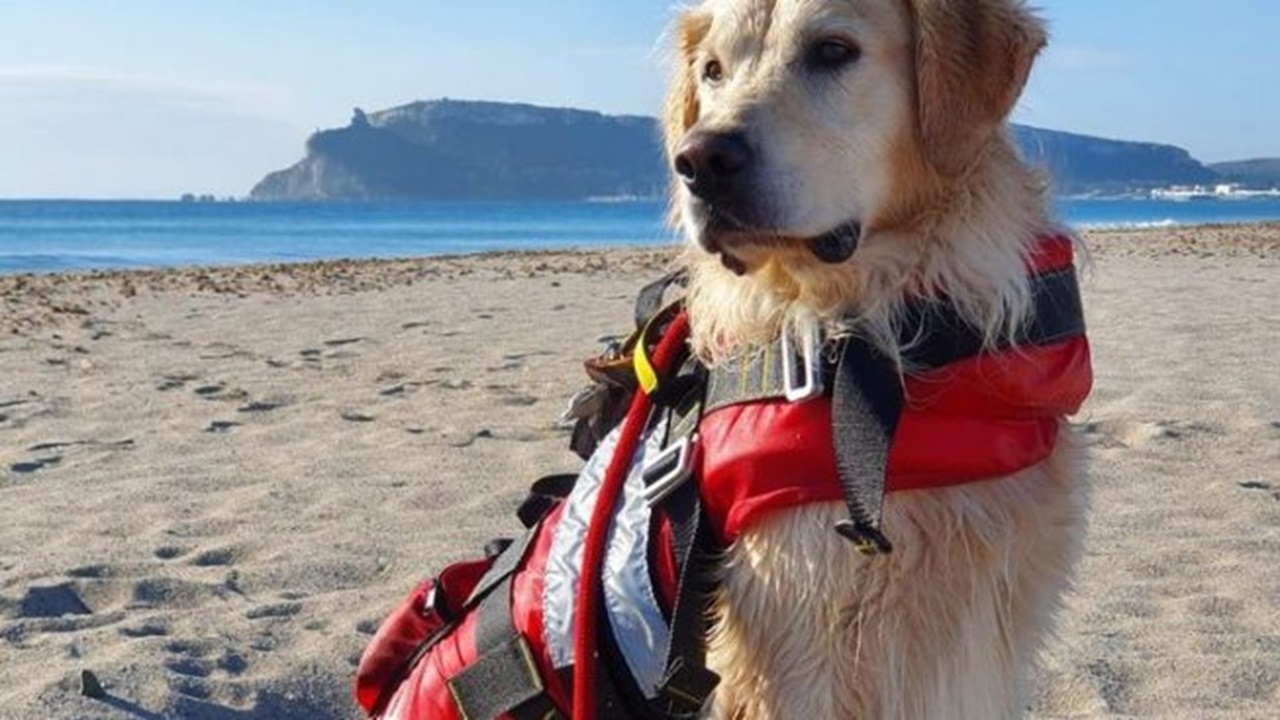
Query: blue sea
{"type": "Point", "coordinates": [51, 236]}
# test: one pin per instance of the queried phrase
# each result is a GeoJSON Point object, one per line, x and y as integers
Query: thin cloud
{"type": "Point", "coordinates": [80, 84]}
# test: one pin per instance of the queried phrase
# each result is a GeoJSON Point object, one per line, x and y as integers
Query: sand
{"type": "Point", "coordinates": [214, 483]}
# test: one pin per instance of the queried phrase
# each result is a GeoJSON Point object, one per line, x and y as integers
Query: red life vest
{"type": "Point", "coordinates": [984, 417]}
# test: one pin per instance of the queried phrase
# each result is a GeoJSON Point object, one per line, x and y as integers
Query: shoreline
{"type": "Point", "coordinates": [1263, 236]}
{"type": "Point", "coordinates": [1267, 230]}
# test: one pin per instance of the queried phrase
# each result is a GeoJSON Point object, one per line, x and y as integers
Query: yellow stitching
{"type": "Point", "coordinates": [764, 369]}
{"type": "Point", "coordinates": [530, 665]}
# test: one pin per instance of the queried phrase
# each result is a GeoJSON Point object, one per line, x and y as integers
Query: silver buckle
{"type": "Point", "coordinates": [803, 383]}
{"type": "Point", "coordinates": [676, 465]}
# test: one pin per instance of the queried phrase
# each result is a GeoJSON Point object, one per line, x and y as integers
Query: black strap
{"type": "Point", "coordinates": [934, 335]}
{"type": "Point", "coordinates": [688, 683]}
{"type": "Point", "coordinates": [865, 406]}
{"type": "Point", "coordinates": [545, 494]}
{"type": "Point", "coordinates": [504, 678]}
{"type": "Point", "coordinates": [503, 567]}
{"type": "Point", "coordinates": [649, 301]}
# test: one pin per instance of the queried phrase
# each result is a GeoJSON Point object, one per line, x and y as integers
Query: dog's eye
{"type": "Point", "coordinates": [713, 71]}
{"type": "Point", "coordinates": [832, 54]}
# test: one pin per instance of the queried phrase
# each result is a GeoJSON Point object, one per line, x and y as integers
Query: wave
{"type": "Point", "coordinates": [1131, 224]}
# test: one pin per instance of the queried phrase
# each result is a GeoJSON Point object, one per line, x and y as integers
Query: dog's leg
{"type": "Point", "coordinates": [946, 628]}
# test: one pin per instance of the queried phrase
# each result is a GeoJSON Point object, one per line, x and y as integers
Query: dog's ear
{"type": "Point", "coordinates": [972, 60]}
{"type": "Point", "coordinates": [682, 109]}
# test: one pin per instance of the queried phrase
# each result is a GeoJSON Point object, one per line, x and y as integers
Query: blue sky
{"type": "Point", "coordinates": [152, 98]}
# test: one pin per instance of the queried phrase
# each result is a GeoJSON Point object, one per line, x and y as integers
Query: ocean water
{"type": "Point", "coordinates": [51, 236]}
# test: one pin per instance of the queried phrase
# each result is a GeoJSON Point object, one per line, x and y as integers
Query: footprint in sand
{"type": "Point", "coordinates": [148, 629]}
{"type": "Point", "coordinates": [527, 355]}
{"type": "Point", "coordinates": [52, 602]}
{"type": "Point", "coordinates": [1112, 683]}
{"type": "Point", "coordinates": [1261, 486]}
{"type": "Point", "coordinates": [1138, 434]}
{"type": "Point", "coordinates": [340, 342]}
{"type": "Point", "coordinates": [210, 392]}
{"type": "Point", "coordinates": [174, 594]}
{"type": "Point", "coordinates": [175, 381]}
{"type": "Point", "coordinates": [17, 413]}
{"type": "Point", "coordinates": [274, 611]}
{"type": "Point", "coordinates": [125, 444]}
{"type": "Point", "coordinates": [458, 439]}
{"type": "Point", "coordinates": [218, 557]}
{"type": "Point", "coordinates": [224, 351]}
{"type": "Point", "coordinates": [261, 406]}
{"type": "Point", "coordinates": [35, 466]}
{"type": "Point", "coordinates": [38, 464]}
{"type": "Point", "coordinates": [194, 663]}
{"type": "Point", "coordinates": [511, 397]}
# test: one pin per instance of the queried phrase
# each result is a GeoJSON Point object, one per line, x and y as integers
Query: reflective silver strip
{"type": "Point", "coordinates": [630, 601]}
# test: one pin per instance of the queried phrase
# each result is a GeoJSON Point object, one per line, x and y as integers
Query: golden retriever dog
{"type": "Point", "coordinates": [833, 158]}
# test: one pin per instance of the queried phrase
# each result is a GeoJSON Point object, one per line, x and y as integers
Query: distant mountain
{"type": "Point", "coordinates": [456, 150]}
{"type": "Point", "coordinates": [450, 150]}
{"type": "Point", "coordinates": [1261, 174]}
{"type": "Point", "coordinates": [1081, 164]}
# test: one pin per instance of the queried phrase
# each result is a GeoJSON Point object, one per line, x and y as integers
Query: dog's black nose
{"type": "Point", "coordinates": [709, 162]}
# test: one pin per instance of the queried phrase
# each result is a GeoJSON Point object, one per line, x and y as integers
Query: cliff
{"type": "Point", "coordinates": [1085, 164]}
{"type": "Point", "coordinates": [451, 150]}
{"type": "Point", "coordinates": [456, 150]}
{"type": "Point", "coordinates": [1261, 174]}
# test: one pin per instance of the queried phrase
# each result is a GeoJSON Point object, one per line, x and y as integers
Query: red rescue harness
{"type": "Point", "coordinates": [986, 416]}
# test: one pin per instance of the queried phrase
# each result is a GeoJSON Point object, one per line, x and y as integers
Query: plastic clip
{"type": "Point", "coordinates": [668, 471]}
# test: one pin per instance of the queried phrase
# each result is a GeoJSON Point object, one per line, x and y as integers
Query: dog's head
{"type": "Point", "coordinates": [795, 128]}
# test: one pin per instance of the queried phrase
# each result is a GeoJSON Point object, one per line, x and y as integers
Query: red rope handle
{"type": "Point", "coordinates": [586, 621]}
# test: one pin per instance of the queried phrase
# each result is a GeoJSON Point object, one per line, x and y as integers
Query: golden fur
{"type": "Point", "coordinates": [910, 141]}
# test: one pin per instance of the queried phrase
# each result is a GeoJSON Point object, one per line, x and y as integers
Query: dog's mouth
{"type": "Point", "coordinates": [839, 245]}
{"type": "Point", "coordinates": [731, 240]}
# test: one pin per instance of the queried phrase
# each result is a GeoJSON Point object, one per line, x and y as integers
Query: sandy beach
{"type": "Point", "coordinates": [214, 483]}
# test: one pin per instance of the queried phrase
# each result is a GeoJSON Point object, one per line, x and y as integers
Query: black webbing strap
{"type": "Point", "coordinates": [504, 678]}
{"type": "Point", "coordinates": [933, 335]}
{"type": "Point", "coordinates": [865, 406]}
{"type": "Point", "coordinates": [503, 567]}
{"type": "Point", "coordinates": [688, 683]}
